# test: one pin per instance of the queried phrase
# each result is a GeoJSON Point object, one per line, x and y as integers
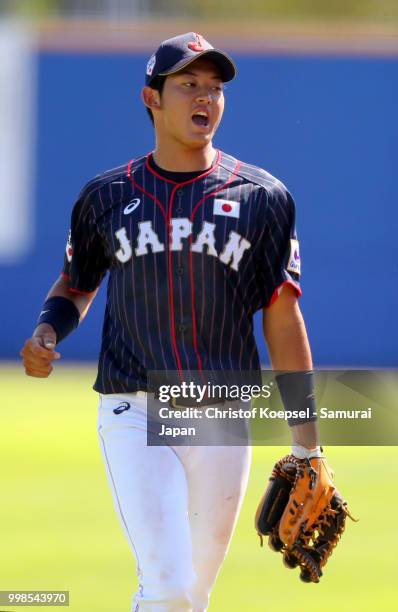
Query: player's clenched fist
{"type": "Point", "coordinates": [38, 352]}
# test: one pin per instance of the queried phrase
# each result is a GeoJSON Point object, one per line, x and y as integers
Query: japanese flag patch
{"type": "Point", "coordinates": [294, 258]}
{"type": "Point", "coordinates": [226, 208]}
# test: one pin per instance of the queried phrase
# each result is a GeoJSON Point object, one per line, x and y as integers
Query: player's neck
{"type": "Point", "coordinates": [179, 159]}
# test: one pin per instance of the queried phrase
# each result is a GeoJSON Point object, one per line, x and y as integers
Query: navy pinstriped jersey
{"type": "Point", "coordinates": [189, 265]}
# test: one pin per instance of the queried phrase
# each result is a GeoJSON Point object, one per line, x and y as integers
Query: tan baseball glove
{"type": "Point", "coordinates": [302, 513]}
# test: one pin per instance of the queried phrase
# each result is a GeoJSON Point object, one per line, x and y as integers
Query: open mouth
{"type": "Point", "coordinates": [201, 119]}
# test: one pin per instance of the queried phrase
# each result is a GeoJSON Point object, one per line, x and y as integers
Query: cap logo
{"type": "Point", "coordinates": [198, 45]}
{"type": "Point", "coordinates": [151, 65]}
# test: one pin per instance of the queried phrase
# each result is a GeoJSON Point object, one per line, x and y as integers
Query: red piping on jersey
{"type": "Point", "coordinates": [171, 294]}
{"type": "Point", "coordinates": [159, 176]}
{"type": "Point", "coordinates": [175, 188]}
{"type": "Point", "coordinates": [67, 277]}
{"type": "Point", "coordinates": [276, 293]}
{"type": "Point", "coordinates": [150, 195]}
{"type": "Point", "coordinates": [169, 226]}
{"type": "Point", "coordinates": [234, 173]}
{"type": "Point", "coordinates": [80, 292]}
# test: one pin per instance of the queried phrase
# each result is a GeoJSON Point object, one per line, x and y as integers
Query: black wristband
{"type": "Point", "coordinates": [297, 390]}
{"type": "Point", "coordinates": [61, 314]}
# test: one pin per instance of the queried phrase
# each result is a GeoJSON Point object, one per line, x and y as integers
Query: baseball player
{"type": "Point", "coordinates": [194, 242]}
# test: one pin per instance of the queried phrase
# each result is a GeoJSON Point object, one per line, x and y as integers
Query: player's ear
{"type": "Point", "coordinates": [150, 97]}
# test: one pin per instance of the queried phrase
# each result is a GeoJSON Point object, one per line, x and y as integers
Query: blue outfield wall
{"type": "Point", "coordinates": [326, 126]}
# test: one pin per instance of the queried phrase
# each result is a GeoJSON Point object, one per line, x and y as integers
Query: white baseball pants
{"type": "Point", "coordinates": [178, 506]}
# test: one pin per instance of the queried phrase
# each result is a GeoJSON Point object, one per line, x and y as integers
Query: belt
{"type": "Point", "coordinates": [185, 402]}
{"type": "Point", "coordinates": [189, 403]}
{"type": "Point", "coordinates": [141, 393]}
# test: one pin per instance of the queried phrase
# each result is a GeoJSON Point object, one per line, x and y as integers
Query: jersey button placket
{"type": "Point", "coordinates": [179, 208]}
{"type": "Point", "coordinates": [180, 270]}
{"type": "Point", "coordinates": [182, 328]}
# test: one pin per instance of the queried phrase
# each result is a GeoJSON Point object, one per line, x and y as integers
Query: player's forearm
{"type": "Point", "coordinates": [82, 301]}
{"type": "Point", "coordinates": [59, 318]}
{"type": "Point", "coordinates": [287, 340]}
{"type": "Point", "coordinates": [60, 315]}
{"type": "Point", "coordinates": [289, 350]}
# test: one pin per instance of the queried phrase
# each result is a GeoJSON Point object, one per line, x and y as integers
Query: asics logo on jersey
{"type": "Point", "coordinates": [181, 228]}
{"type": "Point", "coordinates": [122, 408]}
{"type": "Point", "coordinates": [132, 206]}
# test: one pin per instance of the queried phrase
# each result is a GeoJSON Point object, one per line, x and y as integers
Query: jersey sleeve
{"type": "Point", "coordinates": [279, 255]}
{"type": "Point", "coordinates": [85, 261]}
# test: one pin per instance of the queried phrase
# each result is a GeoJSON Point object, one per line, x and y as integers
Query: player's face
{"type": "Point", "coordinates": [192, 104]}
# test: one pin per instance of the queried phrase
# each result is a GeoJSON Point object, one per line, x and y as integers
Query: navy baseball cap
{"type": "Point", "coordinates": [175, 53]}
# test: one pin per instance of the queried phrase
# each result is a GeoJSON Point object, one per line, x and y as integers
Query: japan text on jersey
{"type": "Point", "coordinates": [189, 265]}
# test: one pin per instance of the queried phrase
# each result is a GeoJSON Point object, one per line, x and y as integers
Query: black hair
{"type": "Point", "coordinates": [157, 84]}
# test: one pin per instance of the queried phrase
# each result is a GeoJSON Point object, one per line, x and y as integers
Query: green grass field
{"type": "Point", "coordinates": [59, 530]}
